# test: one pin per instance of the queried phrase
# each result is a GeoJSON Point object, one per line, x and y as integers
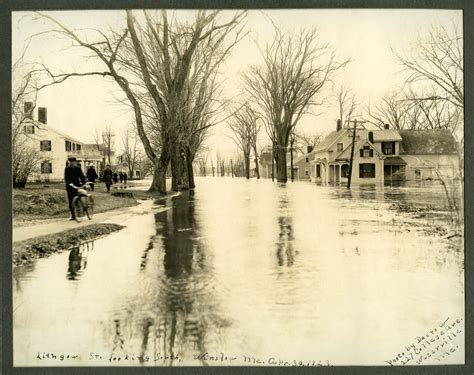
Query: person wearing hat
{"type": "Point", "coordinates": [74, 178]}
{"type": "Point", "coordinates": [91, 175]}
{"type": "Point", "coordinates": [107, 176]}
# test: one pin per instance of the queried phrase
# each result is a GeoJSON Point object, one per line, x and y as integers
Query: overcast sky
{"type": "Point", "coordinates": [79, 106]}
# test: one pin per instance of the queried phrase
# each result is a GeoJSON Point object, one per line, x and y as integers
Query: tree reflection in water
{"type": "Point", "coordinates": [285, 242]}
{"type": "Point", "coordinates": [180, 308]}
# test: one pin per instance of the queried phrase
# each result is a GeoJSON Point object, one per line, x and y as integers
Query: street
{"type": "Point", "coordinates": [248, 273]}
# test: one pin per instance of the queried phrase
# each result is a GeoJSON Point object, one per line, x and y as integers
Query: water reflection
{"type": "Point", "coordinates": [368, 192]}
{"type": "Point", "coordinates": [179, 309]}
{"type": "Point", "coordinates": [285, 242]}
{"type": "Point", "coordinates": [247, 268]}
{"type": "Point", "coordinates": [77, 262]}
{"type": "Point", "coordinates": [182, 285]}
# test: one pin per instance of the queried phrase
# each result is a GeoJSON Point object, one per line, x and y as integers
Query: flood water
{"type": "Point", "coordinates": [242, 272]}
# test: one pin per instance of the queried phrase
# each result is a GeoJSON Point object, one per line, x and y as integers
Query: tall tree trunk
{"type": "Point", "coordinates": [184, 173]}
{"type": "Point", "coordinates": [189, 163]}
{"type": "Point", "coordinates": [176, 168]}
{"type": "Point", "coordinates": [273, 162]}
{"type": "Point", "coordinates": [247, 165]}
{"type": "Point", "coordinates": [281, 164]}
{"type": "Point", "coordinates": [257, 171]}
{"type": "Point", "coordinates": [291, 163]}
{"type": "Point", "coordinates": [159, 174]}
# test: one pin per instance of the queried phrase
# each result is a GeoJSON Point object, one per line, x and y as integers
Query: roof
{"type": "Point", "coordinates": [329, 140]}
{"type": "Point", "coordinates": [92, 149]}
{"type": "Point", "coordinates": [379, 136]}
{"type": "Point", "coordinates": [432, 141]}
{"type": "Point", "coordinates": [309, 155]}
{"type": "Point", "coordinates": [396, 160]}
{"type": "Point", "coordinates": [61, 134]}
{"type": "Point", "coordinates": [386, 135]}
{"type": "Point", "coordinates": [346, 154]}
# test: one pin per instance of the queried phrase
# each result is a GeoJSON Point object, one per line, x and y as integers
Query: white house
{"type": "Point", "coordinates": [54, 147]}
{"type": "Point", "coordinates": [385, 155]}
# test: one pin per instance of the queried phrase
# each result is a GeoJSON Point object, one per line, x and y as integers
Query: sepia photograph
{"type": "Point", "coordinates": [238, 187]}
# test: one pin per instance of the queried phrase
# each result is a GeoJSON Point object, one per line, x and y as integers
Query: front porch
{"type": "Point", "coordinates": [338, 172]}
{"type": "Point", "coordinates": [394, 169]}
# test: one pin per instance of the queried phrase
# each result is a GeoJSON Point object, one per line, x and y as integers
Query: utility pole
{"type": "Point", "coordinates": [352, 152]}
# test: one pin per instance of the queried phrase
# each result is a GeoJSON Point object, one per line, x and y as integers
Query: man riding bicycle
{"type": "Point", "coordinates": [74, 178]}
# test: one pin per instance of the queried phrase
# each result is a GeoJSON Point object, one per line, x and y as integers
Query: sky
{"type": "Point", "coordinates": [81, 106]}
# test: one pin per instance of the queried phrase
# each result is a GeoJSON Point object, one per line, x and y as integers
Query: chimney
{"type": "Point", "coordinates": [42, 115]}
{"type": "Point", "coordinates": [371, 137]}
{"type": "Point", "coordinates": [28, 109]}
{"type": "Point", "coordinates": [386, 126]}
{"type": "Point", "coordinates": [339, 125]}
{"type": "Point", "coordinates": [309, 149]}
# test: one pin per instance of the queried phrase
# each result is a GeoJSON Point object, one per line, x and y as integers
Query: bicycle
{"type": "Point", "coordinates": [83, 203]}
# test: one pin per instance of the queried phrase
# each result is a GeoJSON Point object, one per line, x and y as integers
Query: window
{"type": "Point", "coordinates": [68, 146]}
{"type": "Point", "coordinates": [388, 148]}
{"type": "Point", "coordinates": [366, 152]}
{"type": "Point", "coordinates": [366, 170]}
{"type": "Point", "coordinates": [340, 146]}
{"type": "Point", "coordinates": [318, 170]}
{"type": "Point", "coordinates": [78, 148]}
{"type": "Point", "coordinates": [45, 145]}
{"type": "Point", "coordinates": [46, 167]}
{"type": "Point", "coordinates": [29, 129]}
{"type": "Point", "coordinates": [307, 160]}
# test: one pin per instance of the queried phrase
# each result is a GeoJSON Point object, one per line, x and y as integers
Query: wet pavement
{"type": "Point", "coordinates": [249, 273]}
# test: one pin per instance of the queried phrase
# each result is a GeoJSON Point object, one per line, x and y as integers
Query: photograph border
{"type": "Point", "coordinates": [6, 324]}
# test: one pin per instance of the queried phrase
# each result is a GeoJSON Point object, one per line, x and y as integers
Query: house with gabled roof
{"type": "Point", "coordinates": [54, 147]}
{"type": "Point", "coordinates": [332, 157]}
{"type": "Point", "coordinates": [429, 154]}
{"type": "Point", "coordinates": [385, 155]}
{"type": "Point", "coordinates": [301, 165]}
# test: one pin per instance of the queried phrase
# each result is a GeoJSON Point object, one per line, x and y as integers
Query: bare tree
{"type": "Point", "coordinates": [437, 62]}
{"type": "Point", "coordinates": [245, 129]}
{"type": "Point", "coordinates": [346, 101]}
{"type": "Point", "coordinates": [213, 168]}
{"type": "Point", "coordinates": [393, 110]}
{"type": "Point", "coordinates": [285, 87]}
{"type": "Point", "coordinates": [201, 160]}
{"type": "Point", "coordinates": [25, 156]}
{"type": "Point", "coordinates": [151, 65]}
{"type": "Point", "coordinates": [436, 83]}
{"type": "Point", "coordinates": [131, 151]}
{"type": "Point", "coordinates": [105, 143]}
{"type": "Point", "coordinates": [305, 141]}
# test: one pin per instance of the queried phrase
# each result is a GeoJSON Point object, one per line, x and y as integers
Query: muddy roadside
{"type": "Point", "coordinates": [26, 252]}
{"type": "Point", "coordinates": [43, 202]}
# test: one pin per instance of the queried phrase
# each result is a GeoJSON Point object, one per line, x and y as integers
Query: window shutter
{"type": "Point", "coordinates": [361, 152]}
{"type": "Point", "coordinates": [371, 153]}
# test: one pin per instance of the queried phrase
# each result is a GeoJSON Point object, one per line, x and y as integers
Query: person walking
{"type": "Point", "coordinates": [91, 176]}
{"type": "Point", "coordinates": [107, 176]}
{"type": "Point", "coordinates": [74, 178]}
{"type": "Point", "coordinates": [121, 177]}
{"type": "Point", "coordinates": [125, 178]}
{"type": "Point", "coordinates": [115, 178]}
